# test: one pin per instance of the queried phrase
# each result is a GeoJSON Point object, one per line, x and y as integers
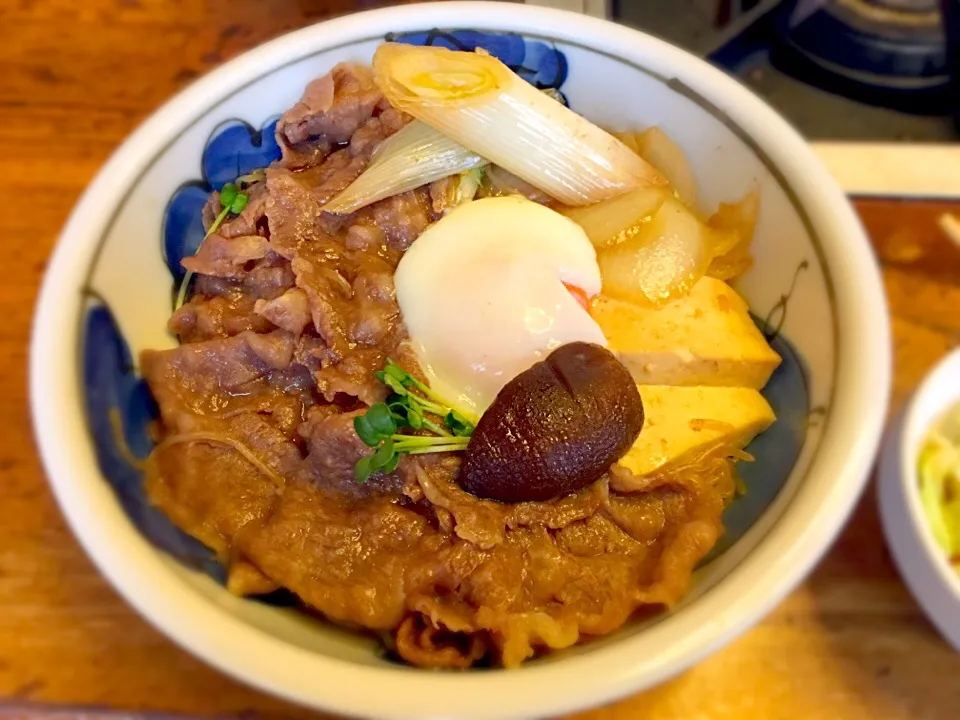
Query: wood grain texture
{"type": "Point", "coordinates": [850, 644]}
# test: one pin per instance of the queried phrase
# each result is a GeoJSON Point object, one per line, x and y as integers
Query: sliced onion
{"type": "Point", "coordinates": [658, 149]}
{"type": "Point", "coordinates": [415, 155]}
{"type": "Point", "coordinates": [618, 219]}
{"type": "Point", "coordinates": [736, 223]}
{"type": "Point", "coordinates": [479, 102]}
{"type": "Point", "coordinates": [662, 261]}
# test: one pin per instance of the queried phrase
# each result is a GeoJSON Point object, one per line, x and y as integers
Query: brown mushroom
{"type": "Point", "coordinates": [555, 428]}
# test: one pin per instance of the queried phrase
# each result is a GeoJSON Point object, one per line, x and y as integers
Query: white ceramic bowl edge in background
{"type": "Point", "coordinates": [745, 584]}
{"type": "Point", "coordinates": [921, 561]}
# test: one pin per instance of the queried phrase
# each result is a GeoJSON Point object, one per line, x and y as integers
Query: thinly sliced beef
{"type": "Point", "coordinates": [269, 279]}
{"type": "Point", "coordinates": [403, 217]}
{"type": "Point", "coordinates": [295, 202]}
{"type": "Point", "coordinates": [246, 223]}
{"type": "Point", "coordinates": [245, 579]}
{"type": "Point", "coordinates": [290, 311]}
{"type": "Point", "coordinates": [213, 491]}
{"type": "Point", "coordinates": [329, 294]}
{"type": "Point", "coordinates": [294, 206]}
{"type": "Point", "coordinates": [332, 106]}
{"type": "Point", "coordinates": [365, 237]}
{"type": "Point", "coordinates": [224, 257]}
{"type": "Point", "coordinates": [345, 314]}
{"type": "Point", "coordinates": [275, 349]}
{"type": "Point", "coordinates": [503, 182]}
{"type": "Point", "coordinates": [211, 209]}
{"type": "Point", "coordinates": [306, 154]}
{"type": "Point", "coordinates": [375, 130]}
{"type": "Point", "coordinates": [204, 378]}
{"type": "Point", "coordinates": [353, 375]}
{"type": "Point", "coordinates": [334, 450]}
{"type": "Point", "coordinates": [375, 313]}
{"type": "Point", "coordinates": [207, 318]}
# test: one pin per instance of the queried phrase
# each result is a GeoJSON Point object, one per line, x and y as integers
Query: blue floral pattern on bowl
{"type": "Point", "coordinates": [120, 410]}
{"type": "Point", "coordinates": [234, 149]}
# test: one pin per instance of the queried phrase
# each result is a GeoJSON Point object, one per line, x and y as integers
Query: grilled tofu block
{"type": "Point", "coordinates": [681, 422]}
{"type": "Point", "coordinates": [705, 338]}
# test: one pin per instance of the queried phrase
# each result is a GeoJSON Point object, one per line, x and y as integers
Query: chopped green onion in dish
{"type": "Point", "coordinates": [939, 470]}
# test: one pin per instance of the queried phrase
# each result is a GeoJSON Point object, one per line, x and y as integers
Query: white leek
{"type": "Point", "coordinates": [479, 102]}
{"type": "Point", "coordinates": [415, 155]}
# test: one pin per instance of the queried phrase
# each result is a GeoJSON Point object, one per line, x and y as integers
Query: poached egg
{"type": "Point", "coordinates": [491, 289]}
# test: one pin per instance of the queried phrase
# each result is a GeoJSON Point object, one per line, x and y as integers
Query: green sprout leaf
{"type": "Point", "coordinates": [415, 417]}
{"type": "Point", "coordinates": [391, 382]}
{"type": "Point", "coordinates": [363, 470]}
{"type": "Point", "coordinates": [378, 427]}
{"type": "Point", "coordinates": [381, 420]}
{"type": "Point", "coordinates": [239, 203]}
{"type": "Point", "coordinates": [365, 431]}
{"type": "Point", "coordinates": [458, 424]}
{"type": "Point", "coordinates": [228, 193]}
{"type": "Point", "coordinates": [399, 374]}
{"type": "Point", "coordinates": [383, 455]}
{"type": "Point", "coordinates": [391, 463]}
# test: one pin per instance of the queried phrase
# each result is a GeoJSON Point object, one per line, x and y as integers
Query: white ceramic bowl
{"type": "Point", "coordinates": [921, 562]}
{"type": "Point", "coordinates": [815, 289]}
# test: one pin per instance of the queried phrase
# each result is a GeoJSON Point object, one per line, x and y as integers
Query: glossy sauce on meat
{"type": "Point", "coordinates": [293, 312]}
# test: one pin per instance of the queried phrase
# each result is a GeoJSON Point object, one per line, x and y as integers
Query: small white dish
{"type": "Point", "coordinates": [922, 563]}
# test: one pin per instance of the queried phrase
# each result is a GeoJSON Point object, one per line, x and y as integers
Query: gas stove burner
{"type": "Point", "coordinates": [884, 52]}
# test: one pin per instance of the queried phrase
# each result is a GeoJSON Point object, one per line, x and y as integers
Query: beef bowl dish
{"type": "Point", "coordinates": [415, 387]}
{"type": "Point", "coordinates": [430, 351]}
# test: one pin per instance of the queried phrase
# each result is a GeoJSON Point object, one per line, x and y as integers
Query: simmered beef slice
{"type": "Point", "coordinates": [354, 374]}
{"type": "Point", "coordinates": [403, 217]}
{"type": "Point", "coordinates": [233, 475]}
{"type": "Point", "coordinates": [223, 307]}
{"type": "Point", "coordinates": [194, 470]}
{"type": "Point", "coordinates": [375, 130]}
{"type": "Point", "coordinates": [223, 257]}
{"type": "Point", "coordinates": [216, 379]}
{"type": "Point", "coordinates": [295, 200]}
{"type": "Point", "coordinates": [333, 106]}
{"type": "Point", "coordinates": [290, 311]}
{"type": "Point", "coordinates": [334, 449]}
{"type": "Point", "coordinates": [248, 221]}
{"type": "Point", "coordinates": [350, 294]}
{"type": "Point", "coordinates": [349, 559]}
{"type": "Point", "coordinates": [207, 318]}
{"type": "Point", "coordinates": [306, 154]}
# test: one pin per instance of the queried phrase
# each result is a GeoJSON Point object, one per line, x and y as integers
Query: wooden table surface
{"type": "Point", "coordinates": [849, 644]}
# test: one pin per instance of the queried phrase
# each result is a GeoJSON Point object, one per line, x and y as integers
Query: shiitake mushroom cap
{"type": "Point", "coordinates": [555, 428]}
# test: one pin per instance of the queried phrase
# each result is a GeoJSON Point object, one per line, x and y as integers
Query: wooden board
{"type": "Point", "coordinates": [849, 644]}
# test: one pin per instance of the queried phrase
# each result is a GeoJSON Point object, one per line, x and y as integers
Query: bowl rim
{"type": "Point", "coordinates": [917, 422]}
{"type": "Point", "coordinates": [773, 568]}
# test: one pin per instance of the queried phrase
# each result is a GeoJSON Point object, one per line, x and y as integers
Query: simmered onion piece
{"type": "Point", "coordinates": [479, 102]}
{"type": "Point", "coordinates": [618, 219]}
{"type": "Point", "coordinates": [665, 257]}
{"type": "Point", "coordinates": [658, 149]}
{"type": "Point", "coordinates": [738, 221]}
{"type": "Point", "coordinates": [415, 155]}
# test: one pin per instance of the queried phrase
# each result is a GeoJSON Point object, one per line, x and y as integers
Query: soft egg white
{"type": "Point", "coordinates": [483, 295]}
